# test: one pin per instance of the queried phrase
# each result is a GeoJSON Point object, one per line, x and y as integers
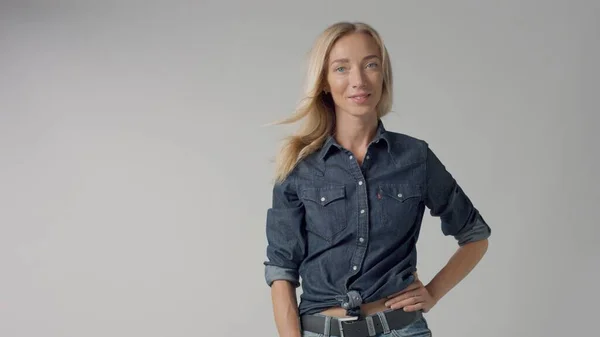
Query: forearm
{"type": "Point", "coordinates": [457, 268]}
{"type": "Point", "coordinates": [285, 309]}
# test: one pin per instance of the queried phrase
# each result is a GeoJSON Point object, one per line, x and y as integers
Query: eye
{"type": "Point", "coordinates": [372, 65]}
{"type": "Point", "coordinates": [340, 69]}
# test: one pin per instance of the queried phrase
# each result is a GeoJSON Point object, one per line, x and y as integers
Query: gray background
{"type": "Point", "coordinates": [135, 167]}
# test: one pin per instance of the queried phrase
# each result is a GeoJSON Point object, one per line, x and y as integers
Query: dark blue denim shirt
{"type": "Point", "coordinates": [349, 231]}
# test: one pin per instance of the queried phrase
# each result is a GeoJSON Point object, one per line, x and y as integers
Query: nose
{"type": "Point", "coordinates": [357, 79]}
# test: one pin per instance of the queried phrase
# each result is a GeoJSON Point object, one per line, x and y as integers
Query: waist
{"type": "Point", "coordinates": [319, 300]}
{"type": "Point", "coordinates": [365, 308]}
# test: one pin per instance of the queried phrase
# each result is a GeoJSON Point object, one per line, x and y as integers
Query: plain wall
{"type": "Point", "coordinates": [136, 170]}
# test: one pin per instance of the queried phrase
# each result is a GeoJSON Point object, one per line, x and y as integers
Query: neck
{"type": "Point", "coordinates": [355, 133]}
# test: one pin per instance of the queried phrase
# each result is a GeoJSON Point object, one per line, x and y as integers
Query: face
{"type": "Point", "coordinates": [354, 75]}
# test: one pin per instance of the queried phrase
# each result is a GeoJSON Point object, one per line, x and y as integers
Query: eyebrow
{"type": "Point", "coordinates": [346, 60]}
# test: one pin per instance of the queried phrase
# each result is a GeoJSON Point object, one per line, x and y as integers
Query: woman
{"type": "Point", "coordinates": [349, 200]}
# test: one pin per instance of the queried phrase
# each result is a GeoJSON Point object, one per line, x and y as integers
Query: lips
{"type": "Point", "coordinates": [360, 98]}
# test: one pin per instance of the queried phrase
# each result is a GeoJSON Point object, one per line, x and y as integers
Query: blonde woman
{"type": "Point", "coordinates": [348, 202]}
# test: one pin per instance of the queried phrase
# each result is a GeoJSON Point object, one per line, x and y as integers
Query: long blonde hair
{"type": "Point", "coordinates": [317, 107]}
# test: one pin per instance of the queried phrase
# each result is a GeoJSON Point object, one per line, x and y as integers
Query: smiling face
{"type": "Point", "coordinates": [354, 75]}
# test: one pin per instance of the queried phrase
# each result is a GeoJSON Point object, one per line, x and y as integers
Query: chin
{"type": "Point", "coordinates": [366, 111]}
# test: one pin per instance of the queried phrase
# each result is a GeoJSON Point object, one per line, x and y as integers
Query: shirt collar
{"type": "Point", "coordinates": [330, 142]}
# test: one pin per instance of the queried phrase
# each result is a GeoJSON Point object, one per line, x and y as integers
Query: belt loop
{"type": "Point", "coordinates": [327, 329]}
{"type": "Point", "coordinates": [384, 322]}
{"type": "Point", "coordinates": [370, 326]}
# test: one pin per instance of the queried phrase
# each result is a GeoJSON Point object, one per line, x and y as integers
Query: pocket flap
{"type": "Point", "coordinates": [324, 195]}
{"type": "Point", "coordinates": [400, 192]}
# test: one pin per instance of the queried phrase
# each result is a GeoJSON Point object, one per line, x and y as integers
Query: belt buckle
{"type": "Point", "coordinates": [341, 322]}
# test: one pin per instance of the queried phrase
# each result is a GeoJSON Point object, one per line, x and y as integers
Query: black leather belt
{"type": "Point", "coordinates": [396, 319]}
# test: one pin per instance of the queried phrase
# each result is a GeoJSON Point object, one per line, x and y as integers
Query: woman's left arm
{"type": "Point", "coordinates": [424, 297]}
{"type": "Point", "coordinates": [457, 268]}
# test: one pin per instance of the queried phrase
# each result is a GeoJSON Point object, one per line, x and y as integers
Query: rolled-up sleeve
{"type": "Point", "coordinates": [286, 243]}
{"type": "Point", "coordinates": [446, 200]}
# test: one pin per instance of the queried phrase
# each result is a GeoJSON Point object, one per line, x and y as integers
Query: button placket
{"type": "Point", "coordinates": [363, 225]}
{"type": "Point", "coordinates": [363, 219]}
{"type": "Point", "coordinates": [363, 212]}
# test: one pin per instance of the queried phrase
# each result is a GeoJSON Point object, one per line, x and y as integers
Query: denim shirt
{"type": "Point", "coordinates": [349, 231]}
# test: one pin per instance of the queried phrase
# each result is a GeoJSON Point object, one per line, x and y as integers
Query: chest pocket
{"type": "Point", "coordinates": [398, 204]}
{"type": "Point", "coordinates": [325, 210]}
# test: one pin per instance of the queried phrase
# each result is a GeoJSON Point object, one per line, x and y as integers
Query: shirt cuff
{"type": "Point", "coordinates": [479, 231]}
{"type": "Point", "coordinates": [273, 273]}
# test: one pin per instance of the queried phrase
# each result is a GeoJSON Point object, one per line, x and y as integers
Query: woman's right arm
{"type": "Point", "coordinates": [285, 308]}
{"type": "Point", "coordinates": [286, 250]}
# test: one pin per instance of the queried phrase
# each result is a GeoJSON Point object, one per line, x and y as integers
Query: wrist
{"type": "Point", "coordinates": [433, 293]}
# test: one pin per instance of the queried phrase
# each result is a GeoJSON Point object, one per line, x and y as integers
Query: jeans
{"type": "Point", "coordinates": [418, 328]}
